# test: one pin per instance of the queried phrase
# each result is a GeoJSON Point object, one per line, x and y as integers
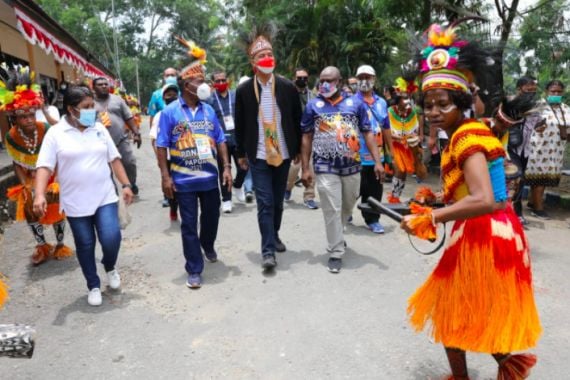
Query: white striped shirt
{"type": "Point", "coordinates": [266, 105]}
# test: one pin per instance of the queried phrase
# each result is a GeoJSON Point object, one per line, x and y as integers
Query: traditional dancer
{"type": "Point", "coordinates": [406, 138]}
{"type": "Point", "coordinates": [480, 296]}
{"type": "Point", "coordinates": [20, 99]}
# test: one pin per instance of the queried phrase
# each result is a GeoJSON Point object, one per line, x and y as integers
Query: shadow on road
{"type": "Point", "coordinates": [51, 268]}
{"type": "Point", "coordinates": [112, 300]}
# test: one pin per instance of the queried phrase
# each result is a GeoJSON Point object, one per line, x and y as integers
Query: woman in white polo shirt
{"type": "Point", "coordinates": [84, 153]}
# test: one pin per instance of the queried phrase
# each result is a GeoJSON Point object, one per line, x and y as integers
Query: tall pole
{"type": "Point", "coordinates": [137, 77]}
{"type": "Point", "coordinates": [116, 43]}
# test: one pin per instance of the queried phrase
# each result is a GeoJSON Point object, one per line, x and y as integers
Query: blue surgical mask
{"type": "Point", "coordinates": [170, 80]}
{"type": "Point", "coordinates": [554, 99]}
{"type": "Point", "coordinates": [87, 117]}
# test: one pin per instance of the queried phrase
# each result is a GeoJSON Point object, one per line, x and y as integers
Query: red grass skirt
{"type": "Point", "coordinates": [403, 157]}
{"type": "Point", "coordinates": [480, 297]}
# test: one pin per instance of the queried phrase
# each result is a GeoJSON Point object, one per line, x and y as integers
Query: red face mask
{"type": "Point", "coordinates": [266, 65]}
{"type": "Point", "coordinates": [221, 87]}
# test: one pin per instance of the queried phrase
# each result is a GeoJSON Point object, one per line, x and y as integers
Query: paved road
{"type": "Point", "coordinates": [299, 323]}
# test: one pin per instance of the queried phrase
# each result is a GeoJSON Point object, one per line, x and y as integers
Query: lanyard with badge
{"type": "Point", "coordinates": [188, 139]}
{"type": "Point", "coordinates": [228, 119]}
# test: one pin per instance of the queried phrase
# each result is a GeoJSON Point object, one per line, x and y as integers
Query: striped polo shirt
{"type": "Point", "coordinates": [266, 104]}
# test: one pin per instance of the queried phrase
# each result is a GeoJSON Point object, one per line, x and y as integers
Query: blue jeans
{"type": "Point", "coordinates": [106, 222]}
{"type": "Point", "coordinates": [248, 183]}
{"type": "Point", "coordinates": [209, 219]}
{"type": "Point", "coordinates": [270, 183]}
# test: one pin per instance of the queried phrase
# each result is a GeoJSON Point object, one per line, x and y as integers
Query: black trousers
{"type": "Point", "coordinates": [239, 178]}
{"type": "Point", "coordinates": [370, 187]}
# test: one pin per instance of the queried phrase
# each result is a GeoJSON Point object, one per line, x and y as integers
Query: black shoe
{"type": "Point", "coordinates": [334, 265]}
{"type": "Point", "coordinates": [279, 246]}
{"type": "Point", "coordinates": [249, 197]}
{"type": "Point", "coordinates": [268, 262]}
{"type": "Point", "coordinates": [211, 256]}
{"type": "Point", "coordinates": [540, 214]}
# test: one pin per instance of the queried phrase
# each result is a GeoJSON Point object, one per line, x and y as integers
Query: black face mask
{"type": "Point", "coordinates": [169, 100]}
{"type": "Point", "coordinates": [301, 82]}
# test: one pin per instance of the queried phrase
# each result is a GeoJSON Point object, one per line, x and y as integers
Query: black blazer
{"type": "Point", "coordinates": [246, 117]}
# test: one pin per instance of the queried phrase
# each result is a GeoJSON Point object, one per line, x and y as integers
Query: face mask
{"type": "Point", "coordinates": [63, 87]}
{"type": "Point", "coordinates": [266, 65]}
{"type": "Point", "coordinates": [203, 92]}
{"type": "Point", "coordinates": [87, 117]}
{"type": "Point", "coordinates": [365, 85]}
{"type": "Point", "coordinates": [221, 87]}
{"type": "Point", "coordinates": [169, 100]}
{"type": "Point", "coordinates": [170, 80]}
{"type": "Point", "coordinates": [554, 99]}
{"type": "Point", "coordinates": [353, 87]}
{"type": "Point", "coordinates": [301, 82]}
{"type": "Point", "coordinates": [327, 89]}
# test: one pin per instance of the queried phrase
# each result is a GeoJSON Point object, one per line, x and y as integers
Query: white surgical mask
{"type": "Point", "coordinates": [366, 85]}
{"type": "Point", "coordinates": [203, 92]}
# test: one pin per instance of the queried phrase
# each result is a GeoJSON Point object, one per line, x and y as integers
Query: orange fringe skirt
{"type": "Point", "coordinates": [480, 297]}
{"type": "Point", "coordinates": [403, 157]}
{"type": "Point", "coordinates": [3, 291]}
{"type": "Point", "coordinates": [24, 204]}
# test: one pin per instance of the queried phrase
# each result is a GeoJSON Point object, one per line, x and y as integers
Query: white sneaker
{"type": "Point", "coordinates": [227, 207]}
{"type": "Point", "coordinates": [94, 297]}
{"type": "Point", "coordinates": [240, 195]}
{"type": "Point", "coordinates": [114, 279]}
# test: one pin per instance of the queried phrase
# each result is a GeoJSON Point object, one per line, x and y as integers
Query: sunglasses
{"type": "Point", "coordinates": [220, 81]}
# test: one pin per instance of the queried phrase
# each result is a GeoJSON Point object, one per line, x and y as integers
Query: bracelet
{"type": "Point", "coordinates": [228, 166]}
{"type": "Point", "coordinates": [127, 185]}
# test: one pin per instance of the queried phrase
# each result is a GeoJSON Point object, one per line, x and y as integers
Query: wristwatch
{"type": "Point", "coordinates": [127, 185]}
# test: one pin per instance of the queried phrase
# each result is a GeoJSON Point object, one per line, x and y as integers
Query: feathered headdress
{"type": "Point", "coordinates": [511, 112]}
{"type": "Point", "coordinates": [259, 38]}
{"type": "Point", "coordinates": [449, 63]}
{"type": "Point", "coordinates": [403, 86]}
{"type": "Point", "coordinates": [17, 90]}
{"type": "Point", "coordinates": [197, 56]}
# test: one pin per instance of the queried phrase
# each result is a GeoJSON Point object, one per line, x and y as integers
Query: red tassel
{"type": "Point", "coordinates": [516, 367]}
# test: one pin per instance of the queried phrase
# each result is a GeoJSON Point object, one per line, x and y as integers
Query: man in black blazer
{"type": "Point", "coordinates": [268, 137]}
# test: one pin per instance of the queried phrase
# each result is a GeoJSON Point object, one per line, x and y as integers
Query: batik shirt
{"type": "Point", "coordinates": [378, 115]}
{"type": "Point", "coordinates": [191, 138]}
{"type": "Point", "coordinates": [337, 128]}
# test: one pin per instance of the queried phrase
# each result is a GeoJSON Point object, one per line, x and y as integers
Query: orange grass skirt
{"type": "Point", "coordinates": [403, 157]}
{"type": "Point", "coordinates": [24, 204]}
{"type": "Point", "coordinates": [480, 297]}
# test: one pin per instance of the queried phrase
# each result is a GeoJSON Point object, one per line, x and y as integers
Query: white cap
{"type": "Point", "coordinates": [243, 79]}
{"type": "Point", "coordinates": [366, 69]}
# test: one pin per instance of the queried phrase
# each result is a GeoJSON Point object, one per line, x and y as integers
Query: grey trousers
{"type": "Point", "coordinates": [128, 159]}
{"type": "Point", "coordinates": [338, 195]}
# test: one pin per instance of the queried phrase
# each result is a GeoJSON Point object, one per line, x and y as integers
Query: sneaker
{"type": "Point", "coordinates": [238, 191]}
{"type": "Point", "coordinates": [249, 197]}
{"type": "Point", "coordinates": [165, 203]}
{"type": "Point", "coordinates": [94, 297]}
{"type": "Point", "coordinates": [227, 207]}
{"type": "Point", "coordinates": [334, 265]}
{"type": "Point", "coordinates": [194, 281]}
{"type": "Point", "coordinates": [211, 256]}
{"type": "Point", "coordinates": [173, 215]}
{"type": "Point", "coordinates": [376, 227]}
{"type": "Point", "coordinates": [540, 214]}
{"type": "Point", "coordinates": [268, 262]}
{"type": "Point", "coordinates": [523, 220]}
{"type": "Point", "coordinates": [287, 196]}
{"type": "Point", "coordinates": [114, 279]}
{"type": "Point", "coordinates": [279, 246]}
{"type": "Point", "coordinates": [310, 203]}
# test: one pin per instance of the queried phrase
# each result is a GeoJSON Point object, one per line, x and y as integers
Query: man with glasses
{"type": "Point", "coordinates": [223, 100]}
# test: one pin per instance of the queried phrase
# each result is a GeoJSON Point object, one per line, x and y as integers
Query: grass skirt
{"type": "Point", "coordinates": [480, 297]}
{"type": "Point", "coordinates": [403, 157]}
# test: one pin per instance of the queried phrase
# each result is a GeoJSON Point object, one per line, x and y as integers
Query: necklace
{"type": "Point", "coordinates": [31, 144]}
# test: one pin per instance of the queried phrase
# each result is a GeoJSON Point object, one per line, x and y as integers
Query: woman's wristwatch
{"type": "Point", "coordinates": [127, 185]}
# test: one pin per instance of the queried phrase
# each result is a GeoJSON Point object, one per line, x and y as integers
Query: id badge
{"type": "Point", "coordinates": [229, 123]}
{"type": "Point", "coordinates": [203, 147]}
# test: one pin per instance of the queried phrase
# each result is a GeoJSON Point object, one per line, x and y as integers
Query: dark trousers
{"type": "Point", "coordinates": [269, 183]}
{"type": "Point", "coordinates": [370, 187]}
{"type": "Point", "coordinates": [240, 175]}
{"type": "Point", "coordinates": [106, 222]}
{"type": "Point", "coordinates": [209, 218]}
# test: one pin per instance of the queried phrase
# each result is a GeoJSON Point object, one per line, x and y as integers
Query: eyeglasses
{"type": "Point", "coordinates": [220, 81]}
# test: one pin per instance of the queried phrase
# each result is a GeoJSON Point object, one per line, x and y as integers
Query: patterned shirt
{"type": "Point", "coordinates": [378, 115]}
{"type": "Point", "coordinates": [336, 128]}
{"type": "Point", "coordinates": [267, 103]}
{"type": "Point", "coordinates": [192, 139]}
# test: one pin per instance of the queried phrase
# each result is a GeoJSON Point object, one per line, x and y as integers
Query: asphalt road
{"type": "Point", "coordinates": [301, 322]}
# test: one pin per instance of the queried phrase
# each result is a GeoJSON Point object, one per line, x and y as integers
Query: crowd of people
{"type": "Point", "coordinates": [341, 140]}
